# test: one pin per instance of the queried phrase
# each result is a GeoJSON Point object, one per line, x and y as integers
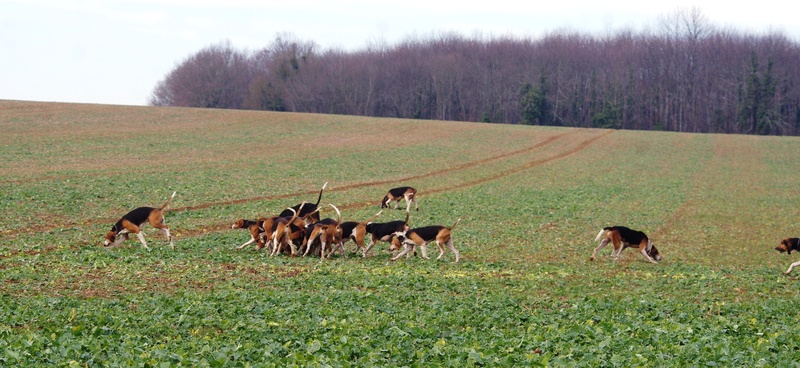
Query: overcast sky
{"type": "Point", "coordinates": [115, 52]}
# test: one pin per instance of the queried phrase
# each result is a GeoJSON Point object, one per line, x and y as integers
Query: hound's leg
{"type": "Point", "coordinates": [407, 248]}
{"type": "Point", "coordinates": [601, 246]}
{"type": "Point", "coordinates": [369, 246]}
{"type": "Point", "coordinates": [617, 251]}
{"type": "Point", "coordinates": [452, 247]}
{"type": "Point", "coordinates": [141, 238]}
{"type": "Point", "coordinates": [644, 253]}
{"type": "Point", "coordinates": [251, 241]}
{"type": "Point", "coordinates": [441, 250]}
{"type": "Point", "coordinates": [274, 245]}
{"type": "Point", "coordinates": [120, 238]}
{"type": "Point", "coordinates": [322, 248]}
{"type": "Point", "coordinates": [169, 237]}
{"type": "Point", "coordinates": [791, 266]}
{"type": "Point", "coordinates": [424, 248]}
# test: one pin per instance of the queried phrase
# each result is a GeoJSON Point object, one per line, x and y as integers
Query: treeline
{"type": "Point", "coordinates": [684, 75]}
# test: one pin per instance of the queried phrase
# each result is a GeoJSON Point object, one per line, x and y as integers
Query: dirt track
{"type": "Point", "coordinates": [361, 204]}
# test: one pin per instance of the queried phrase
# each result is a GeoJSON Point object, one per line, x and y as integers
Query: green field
{"type": "Point", "coordinates": [530, 200]}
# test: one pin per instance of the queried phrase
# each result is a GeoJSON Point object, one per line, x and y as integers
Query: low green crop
{"type": "Point", "coordinates": [530, 200]}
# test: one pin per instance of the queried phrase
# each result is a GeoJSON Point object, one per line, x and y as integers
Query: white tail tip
{"type": "Point", "coordinates": [173, 194]}
{"type": "Point", "coordinates": [599, 235]}
{"type": "Point", "coordinates": [324, 185]}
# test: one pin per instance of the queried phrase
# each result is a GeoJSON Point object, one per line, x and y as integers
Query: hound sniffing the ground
{"type": "Point", "coordinates": [398, 194]}
{"type": "Point", "coordinates": [133, 221]}
{"type": "Point", "coordinates": [384, 232]}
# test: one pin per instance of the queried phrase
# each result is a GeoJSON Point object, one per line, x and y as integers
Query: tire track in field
{"type": "Point", "coordinates": [360, 204]}
{"type": "Point", "coordinates": [363, 204]}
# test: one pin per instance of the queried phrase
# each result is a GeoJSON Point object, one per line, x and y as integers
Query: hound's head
{"type": "Point", "coordinates": [653, 252]}
{"type": "Point", "coordinates": [111, 237]}
{"type": "Point", "coordinates": [397, 242]}
{"type": "Point", "coordinates": [786, 245]}
{"type": "Point", "coordinates": [385, 202]}
{"type": "Point", "coordinates": [239, 224]}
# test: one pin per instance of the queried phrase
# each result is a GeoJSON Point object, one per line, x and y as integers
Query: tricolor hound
{"type": "Point", "coordinates": [421, 236]}
{"type": "Point", "coordinates": [281, 232]}
{"type": "Point", "coordinates": [384, 232]}
{"type": "Point", "coordinates": [356, 230]}
{"type": "Point", "coordinates": [254, 227]}
{"type": "Point", "coordinates": [306, 210]}
{"type": "Point", "coordinates": [398, 194]}
{"type": "Point", "coordinates": [623, 237]}
{"type": "Point", "coordinates": [133, 221]}
{"type": "Point", "coordinates": [325, 232]}
{"type": "Point", "coordinates": [788, 245]}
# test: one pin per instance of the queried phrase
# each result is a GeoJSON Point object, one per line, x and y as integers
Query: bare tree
{"type": "Point", "coordinates": [684, 75]}
{"type": "Point", "coordinates": [217, 76]}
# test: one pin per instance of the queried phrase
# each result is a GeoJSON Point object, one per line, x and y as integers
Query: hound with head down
{"type": "Point", "coordinates": [788, 245]}
{"type": "Point", "coordinates": [384, 232]}
{"type": "Point", "coordinates": [133, 221]}
{"type": "Point", "coordinates": [623, 237]}
{"type": "Point", "coordinates": [284, 231]}
{"type": "Point", "coordinates": [398, 194]}
{"type": "Point", "coordinates": [421, 236]}
{"type": "Point", "coordinates": [324, 233]}
{"type": "Point", "coordinates": [254, 227]}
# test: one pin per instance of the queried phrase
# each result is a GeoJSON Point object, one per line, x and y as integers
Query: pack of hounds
{"type": "Point", "coordinates": [299, 230]}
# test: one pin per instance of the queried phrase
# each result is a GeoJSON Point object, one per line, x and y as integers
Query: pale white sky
{"type": "Point", "coordinates": [115, 52]}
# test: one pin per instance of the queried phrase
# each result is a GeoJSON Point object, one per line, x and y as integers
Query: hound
{"type": "Point", "coordinates": [623, 237]}
{"type": "Point", "coordinates": [384, 232]}
{"type": "Point", "coordinates": [265, 230]}
{"type": "Point", "coordinates": [355, 230]}
{"type": "Point", "coordinates": [254, 227]}
{"type": "Point", "coordinates": [282, 233]}
{"type": "Point", "coordinates": [421, 236]}
{"type": "Point", "coordinates": [306, 210]}
{"type": "Point", "coordinates": [788, 245]}
{"type": "Point", "coordinates": [326, 232]}
{"type": "Point", "coordinates": [133, 221]}
{"type": "Point", "coordinates": [397, 194]}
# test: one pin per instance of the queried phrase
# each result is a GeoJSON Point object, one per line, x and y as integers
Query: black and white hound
{"type": "Point", "coordinates": [133, 221]}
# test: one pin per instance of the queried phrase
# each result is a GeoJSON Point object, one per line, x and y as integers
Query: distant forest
{"type": "Point", "coordinates": [682, 75]}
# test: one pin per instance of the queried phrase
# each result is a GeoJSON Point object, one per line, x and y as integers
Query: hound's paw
{"type": "Point", "coordinates": [591, 258]}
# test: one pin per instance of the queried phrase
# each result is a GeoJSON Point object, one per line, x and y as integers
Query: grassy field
{"type": "Point", "coordinates": [530, 200]}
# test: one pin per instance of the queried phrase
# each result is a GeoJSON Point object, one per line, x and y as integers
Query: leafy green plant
{"type": "Point", "coordinates": [530, 200]}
